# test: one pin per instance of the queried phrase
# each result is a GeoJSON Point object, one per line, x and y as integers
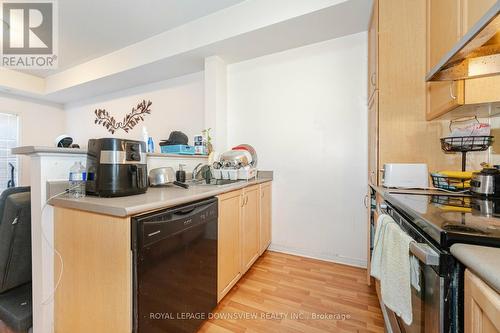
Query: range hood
{"type": "Point", "coordinates": [476, 54]}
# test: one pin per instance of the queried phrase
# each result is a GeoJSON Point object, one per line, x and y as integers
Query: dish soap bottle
{"type": "Point", "coordinates": [180, 175]}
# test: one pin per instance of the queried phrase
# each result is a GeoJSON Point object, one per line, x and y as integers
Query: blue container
{"type": "Point", "coordinates": [178, 149]}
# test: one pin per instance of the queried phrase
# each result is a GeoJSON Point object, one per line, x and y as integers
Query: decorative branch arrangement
{"type": "Point", "coordinates": [133, 118]}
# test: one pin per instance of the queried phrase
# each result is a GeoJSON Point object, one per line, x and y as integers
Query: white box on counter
{"type": "Point", "coordinates": [406, 175]}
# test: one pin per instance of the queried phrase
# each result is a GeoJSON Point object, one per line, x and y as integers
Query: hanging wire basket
{"type": "Point", "coordinates": [466, 143]}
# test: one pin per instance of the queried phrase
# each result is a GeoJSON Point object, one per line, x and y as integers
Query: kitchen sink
{"type": "Point", "coordinates": [214, 182]}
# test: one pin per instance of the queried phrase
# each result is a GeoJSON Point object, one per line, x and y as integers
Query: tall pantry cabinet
{"type": "Point", "coordinates": [398, 130]}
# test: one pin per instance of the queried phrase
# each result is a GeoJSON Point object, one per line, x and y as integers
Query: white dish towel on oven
{"type": "Point", "coordinates": [391, 266]}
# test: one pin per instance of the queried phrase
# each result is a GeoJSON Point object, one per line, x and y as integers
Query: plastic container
{"type": "Point", "coordinates": [178, 149]}
{"type": "Point", "coordinates": [77, 179]}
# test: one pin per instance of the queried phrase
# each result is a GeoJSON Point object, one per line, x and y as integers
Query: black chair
{"type": "Point", "coordinates": [16, 310]}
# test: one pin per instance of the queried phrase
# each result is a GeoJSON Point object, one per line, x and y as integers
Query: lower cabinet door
{"type": "Point", "coordinates": [265, 216]}
{"type": "Point", "coordinates": [250, 227]}
{"type": "Point", "coordinates": [229, 242]}
{"type": "Point", "coordinates": [482, 306]}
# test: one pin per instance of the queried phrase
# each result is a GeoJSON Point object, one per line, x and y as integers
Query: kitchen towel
{"type": "Point", "coordinates": [391, 265]}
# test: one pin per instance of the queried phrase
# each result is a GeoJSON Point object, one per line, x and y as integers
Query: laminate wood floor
{"type": "Point", "coordinates": [285, 293]}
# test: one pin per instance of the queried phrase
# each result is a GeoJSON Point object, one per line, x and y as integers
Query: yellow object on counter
{"type": "Point", "coordinates": [465, 184]}
{"type": "Point", "coordinates": [457, 174]}
{"type": "Point", "coordinates": [448, 208]}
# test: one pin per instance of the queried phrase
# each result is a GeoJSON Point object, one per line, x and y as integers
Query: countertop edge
{"type": "Point", "coordinates": [146, 208]}
{"type": "Point", "coordinates": [384, 190]}
{"type": "Point", "coordinates": [481, 260]}
{"type": "Point", "coordinates": [32, 150]}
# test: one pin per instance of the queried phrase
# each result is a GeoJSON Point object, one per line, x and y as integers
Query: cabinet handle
{"type": "Point", "coordinates": [372, 174]}
{"type": "Point", "coordinates": [246, 200]}
{"type": "Point", "coordinates": [365, 201]}
{"type": "Point", "coordinates": [242, 200]}
{"type": "Point", "coordinates": [373, 79]}
{"type": "Point", "coordinates": [451, 90]}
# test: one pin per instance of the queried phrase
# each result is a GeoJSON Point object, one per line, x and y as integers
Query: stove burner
{"type": "Point", "coordinates": [463, 228]}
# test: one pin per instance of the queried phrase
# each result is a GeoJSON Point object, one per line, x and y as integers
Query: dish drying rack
{"type": "Point", "coordinates": [233, 172]}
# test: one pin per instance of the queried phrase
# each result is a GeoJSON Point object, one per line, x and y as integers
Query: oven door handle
{"type": "Point", "coordinates": [424, 253]}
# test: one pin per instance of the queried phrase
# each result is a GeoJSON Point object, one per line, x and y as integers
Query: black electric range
{"type": "Point", "coordinates": [448, 219]}
{"type": "Point", "coordinates": [435, 223]}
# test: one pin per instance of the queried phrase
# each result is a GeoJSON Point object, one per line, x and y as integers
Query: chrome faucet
{"type": "Point", "coordinates": [196, 171]}
{"type": "Point", "coordinates": [202, 171]}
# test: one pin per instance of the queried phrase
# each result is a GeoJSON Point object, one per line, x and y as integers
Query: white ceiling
{"type": "Point", "coordinates": [114, 55]}
{"type": "Point", "coordinates": [92, 28]}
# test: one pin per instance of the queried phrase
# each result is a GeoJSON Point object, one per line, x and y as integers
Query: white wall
{"type": "Point", "coordinates": [177, 105]}
{"type": "Point", "coordinates": [305, 112]}
{"type": "Point", "coordinates": [39, 125]}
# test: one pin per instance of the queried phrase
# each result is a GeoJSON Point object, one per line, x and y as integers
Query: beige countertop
{"type": "Point", "coordinates": [483, 261]}
{"type": "Point", "coordinates": [153, 199]}
{"type": "Point", "coordinates": [28, 150]}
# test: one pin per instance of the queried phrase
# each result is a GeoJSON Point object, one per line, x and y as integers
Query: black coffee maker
{"type": "Point", "coordinates": [116, 167]}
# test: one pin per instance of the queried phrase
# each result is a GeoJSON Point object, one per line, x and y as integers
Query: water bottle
{"type": "Point", "coordinates": [77, 178]}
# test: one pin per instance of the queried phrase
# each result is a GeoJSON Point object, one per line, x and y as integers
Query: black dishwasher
{"type": "Point", "coordinates": [175, 267]}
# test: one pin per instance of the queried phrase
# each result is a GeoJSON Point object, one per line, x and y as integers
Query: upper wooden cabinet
{"type": "Point", "coordinates": [473, 10]}
{"type": "Point", "coordinates": [482, 306]}
{"type": "Point", "coordinates": [447, 22]}
{"type": "Point", "coordinates": [444, 29]}
{"type": "Point", "coordinates": [373, 52]}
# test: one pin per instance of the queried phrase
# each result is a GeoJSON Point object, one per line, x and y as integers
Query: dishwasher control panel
{"type": "Point", "coordinates": [154, 227]}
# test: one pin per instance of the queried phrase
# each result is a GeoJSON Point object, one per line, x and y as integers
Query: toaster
{"type": "Point", "coordinates": [486, 183]}
{"type": "Point", "coordinates": [406, 175]}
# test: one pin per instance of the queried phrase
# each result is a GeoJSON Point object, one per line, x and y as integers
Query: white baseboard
{"type": "Point", "coordinates": [304, 253]}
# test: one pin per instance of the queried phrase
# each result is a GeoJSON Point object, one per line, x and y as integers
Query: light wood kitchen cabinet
{"type": "Point", "coordinates": [265, 216]}
{"type": "Point", "coordinates": [244, 232]}
{"type": "Point", "coordinates": [250, 221]}
{"type": "Point", "coordinates": [442, 34]}
{"type": "Point", "coordinates": [482, 306]}
{"type": "Point", "coordinates": [373, 52]}
{"type": "Point", "coordinates": [373, 140]}
{"type": "Point", "coordinates": [229, 242]}
{"type": "Point", "coordinates": [95, 291]}
{"type": "Point", "coordinates": [398, 130]}
{"type": "Point", "coordinates": [473, 10]}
